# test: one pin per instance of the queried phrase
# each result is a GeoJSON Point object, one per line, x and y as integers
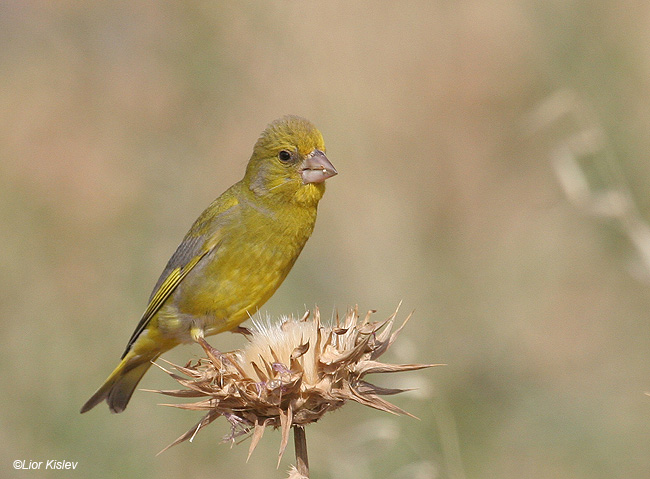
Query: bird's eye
{"type": "Point", "coordinates": [284, 156]}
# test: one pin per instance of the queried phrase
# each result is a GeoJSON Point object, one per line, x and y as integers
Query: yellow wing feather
{"type": "Point", "coordinates": [166, 288]}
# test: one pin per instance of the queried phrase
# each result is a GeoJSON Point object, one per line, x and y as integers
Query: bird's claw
{"type": "Point", "coordinates": [214, 353]}
{"type": "Point", "coordinates": [242, 330]}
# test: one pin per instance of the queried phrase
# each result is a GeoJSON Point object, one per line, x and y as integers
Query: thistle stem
{"type": "Point", "coordinates": [300, 442]}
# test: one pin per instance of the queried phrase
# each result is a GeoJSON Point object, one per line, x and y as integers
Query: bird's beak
{"type": "Point", "coordinates": [316, 168]}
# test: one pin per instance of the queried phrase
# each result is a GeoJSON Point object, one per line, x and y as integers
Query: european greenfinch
{"type": "Point", "coordinates": [235, 255]}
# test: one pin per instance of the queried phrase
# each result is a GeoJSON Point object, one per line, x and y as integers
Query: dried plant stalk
{"type": "Point", "coordinates": [300, 442]}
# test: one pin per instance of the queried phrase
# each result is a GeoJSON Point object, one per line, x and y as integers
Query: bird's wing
{"type": "Point", "coordinates": [190, 252]}
{"type": "Point", "coordinates": [190, 247]}
{"type": "Point", "coordinates": [203, 238]}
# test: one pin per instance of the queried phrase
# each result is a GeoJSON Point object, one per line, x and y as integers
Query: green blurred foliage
{"type": "Point", "coordinates": [122, 121]}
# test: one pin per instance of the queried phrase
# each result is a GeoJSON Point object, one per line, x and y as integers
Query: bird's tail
{"type": "Point", "coordinates": [119, 387]}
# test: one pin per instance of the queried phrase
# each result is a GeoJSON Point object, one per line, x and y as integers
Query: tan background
{"type": "Point", "coordinates": [447, 122]}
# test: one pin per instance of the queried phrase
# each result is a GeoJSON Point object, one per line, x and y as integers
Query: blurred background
{"type": "Point", "coordinates": [493, 176]}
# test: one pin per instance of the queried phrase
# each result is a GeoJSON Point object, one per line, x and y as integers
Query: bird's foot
{"type": "Point", "coordinates": [213, 354]}
{"type": "Point", "coordinates": [242, 330]}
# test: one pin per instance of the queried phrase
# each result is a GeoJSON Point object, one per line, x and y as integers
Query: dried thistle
{"type": "Point", "coordinates": [290, 375]}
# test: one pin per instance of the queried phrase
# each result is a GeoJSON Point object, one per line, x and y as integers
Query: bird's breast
{"type": "Point", "coordinates": [242, 273]}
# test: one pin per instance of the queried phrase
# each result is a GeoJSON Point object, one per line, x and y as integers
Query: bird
{"type": "Point", "coordinates": [235, 255]}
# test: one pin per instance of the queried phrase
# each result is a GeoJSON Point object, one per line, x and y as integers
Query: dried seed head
{"type": "Point", "coordinates": [291, 374]}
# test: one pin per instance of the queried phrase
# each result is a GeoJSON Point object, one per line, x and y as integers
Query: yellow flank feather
{"type": "Point", "coordinates": [235, 256]}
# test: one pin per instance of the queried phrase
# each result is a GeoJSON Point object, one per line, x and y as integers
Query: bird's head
{"type": "Point", "coordinates": [289, 162]}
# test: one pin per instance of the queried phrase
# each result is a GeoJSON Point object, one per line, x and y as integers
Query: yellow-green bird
{"type": "Point", "coordinates": [236, 254]}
